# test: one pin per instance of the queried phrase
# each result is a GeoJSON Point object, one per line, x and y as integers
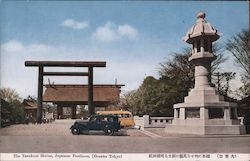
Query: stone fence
{"type": "Point", "coordinates": [149, 122]}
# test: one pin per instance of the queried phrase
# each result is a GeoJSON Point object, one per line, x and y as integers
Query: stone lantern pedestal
{"type": "Point", "coordinates": [204, 111]}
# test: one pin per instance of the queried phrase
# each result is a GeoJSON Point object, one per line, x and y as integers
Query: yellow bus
{"type": "Point", "coordinates": [125, 117]}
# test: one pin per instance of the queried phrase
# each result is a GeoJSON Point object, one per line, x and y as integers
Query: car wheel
{"type": "Point", "coordinates": [109, 131]}
{"type": "Point", "coordinates": [75, 131]}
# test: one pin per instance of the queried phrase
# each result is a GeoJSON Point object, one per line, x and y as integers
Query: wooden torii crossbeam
{"type": "Point", "coordinates": [41, 64]}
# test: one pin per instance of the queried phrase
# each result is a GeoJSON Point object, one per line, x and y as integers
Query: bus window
{"type": "Point", "coordinates": [125, 117]}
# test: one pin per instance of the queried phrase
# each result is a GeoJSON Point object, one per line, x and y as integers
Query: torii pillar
{"type": "Point", "coordinates": [41, 64]}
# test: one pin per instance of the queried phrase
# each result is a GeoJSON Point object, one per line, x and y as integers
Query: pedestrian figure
{"type": "Point", "coordinates": [246, 121]}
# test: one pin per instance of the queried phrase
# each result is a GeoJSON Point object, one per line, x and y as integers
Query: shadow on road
{"type": "Point", "coordinates": [120, 133]}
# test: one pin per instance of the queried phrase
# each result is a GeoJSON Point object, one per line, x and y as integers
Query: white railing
{"type": "Point", "coordinates": [160, 121]}
{"type": "Point", "coordinates": [150, 122]}
{"type": "Point", "coordinates": [241, 120]}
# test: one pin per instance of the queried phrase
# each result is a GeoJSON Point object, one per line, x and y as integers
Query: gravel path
{"type": "Point", "coordinates": [57, 128]}
{"type": "Point", "coordinates": [56, 137]}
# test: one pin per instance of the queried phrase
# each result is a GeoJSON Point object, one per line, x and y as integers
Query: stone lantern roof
{"type": "Point", "coordinates": [201, 28]}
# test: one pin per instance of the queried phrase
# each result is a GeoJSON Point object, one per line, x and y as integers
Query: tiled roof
{"type": "Point", "coordinates": [29, 105]}
{"type": "Point", "coordinates": [79, 93]}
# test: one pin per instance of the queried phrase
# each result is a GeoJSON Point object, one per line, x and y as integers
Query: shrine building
{"type": "Point", "coordinates": [67, 97]}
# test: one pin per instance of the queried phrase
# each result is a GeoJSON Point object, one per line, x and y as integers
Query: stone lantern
{"type": "Point", "coordinates": [204, 111]}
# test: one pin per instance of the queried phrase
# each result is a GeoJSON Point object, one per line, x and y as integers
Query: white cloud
{"type": "Point", "coordinates": [24, 79]}
{"type": "Point", "coordinates": [129, 31]}
{"type": "Point", "coordinates": [111, 32]}
{"type": "Point", "coordinates": [12, 70]}
{"type": "Point", "coordinates": [39, 48]}
{"type": "Point", "coordinates": [106, 33]}
{"type": "Point", "coordinates": [70, 23]}
{"type": "Point", "coordinates": [17, 47]}
{"type": "Point", "coordinates": [12, 47]}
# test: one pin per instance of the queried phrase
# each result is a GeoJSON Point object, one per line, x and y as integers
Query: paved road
{"type": "Point", "coordinates": [54, 138]}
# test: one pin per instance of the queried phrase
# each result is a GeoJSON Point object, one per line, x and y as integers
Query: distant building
{"type": "Point", "coordinates": [68, 97]}
{"type": "Point", "coordinates": [30, 108]}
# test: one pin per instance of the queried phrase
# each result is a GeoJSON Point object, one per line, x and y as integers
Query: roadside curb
{"type": "Point", "coordinates": [197, 136]}
{"type": "Point", "coordinates": [150, 134]}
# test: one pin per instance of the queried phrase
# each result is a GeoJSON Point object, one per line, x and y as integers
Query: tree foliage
{"type": "Point", "coordinates": [9, 94]}
{"type": "Point", "coordinates": [156, 97]}
{"type": "Point", "coordinates": [179, 69]}
{"type": "Point", "coordinates": [12, 104]}
{"type": "Point", "coordinates": [128, 102]}
{"type": "Point", "coordinates": [17, 111]}
{"type": "Point", "coordinates": [222, 81]}
{"type": "Point", "coordinates": [243, 106]}
{"type": "Point", "coordinates": [152, 98]}
{"type": "Point", "coordinates": [239, 47]}
{"type": "Point", "coordinates": [218, 50]}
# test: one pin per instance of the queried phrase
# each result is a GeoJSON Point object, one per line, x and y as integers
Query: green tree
{"type": "Point", "coordinates": [128, 102]}
{"type": "Point", "coordinates": [152, 98]}
{"type": "Point", "coordinates": [157, 96]}
{"type": "Point", "coordinates": [181, 70]}
{"type": "Point", "coordinates": [218, 50]}
{"type": "Point", "coordinates": [222, 81]}
{"type": "Point", "coordinates": [148, 92]}
{"type": "Point", "coordinates": [239, 47]}
{"type": "Point", "coordinates": [13, 105]}
{"type": "Point", "coordinates": [243, 106]}
{"type": "Point", "coordinates": [9, 94]}
{"type": "Point", "coordinates": [17, 112]}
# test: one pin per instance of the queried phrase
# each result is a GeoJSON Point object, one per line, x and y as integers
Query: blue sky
{"type": "Point", "coordinates": [133, 37]}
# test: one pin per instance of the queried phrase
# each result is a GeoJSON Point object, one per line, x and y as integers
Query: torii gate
{"type": "Point", "coordinates": [41, 64]}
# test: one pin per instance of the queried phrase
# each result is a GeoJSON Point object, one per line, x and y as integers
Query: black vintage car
{"type": "Point", "coordinates": [107, 123]}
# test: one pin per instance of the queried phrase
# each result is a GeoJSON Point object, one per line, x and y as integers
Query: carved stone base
{"type": "Point", "coordinates": [206, 130]}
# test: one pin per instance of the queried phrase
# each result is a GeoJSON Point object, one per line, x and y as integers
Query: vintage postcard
{"type": "Point", "coordinates": [124, 80]}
